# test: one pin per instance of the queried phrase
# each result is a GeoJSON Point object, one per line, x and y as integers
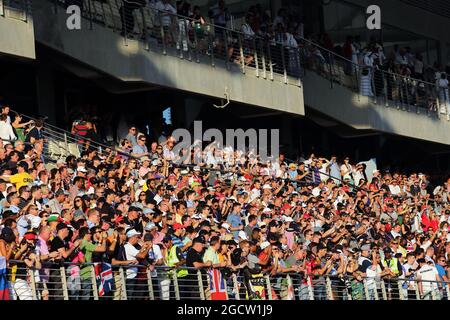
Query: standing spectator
{"type": "Point", "coordinates": [6, 130]}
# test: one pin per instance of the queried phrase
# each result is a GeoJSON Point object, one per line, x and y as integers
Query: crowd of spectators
{"type": "Point", "coordinates": [137, 208]}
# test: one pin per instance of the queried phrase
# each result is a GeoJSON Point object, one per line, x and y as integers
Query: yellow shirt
{"type": "Point", "coordinates": [21, 179]}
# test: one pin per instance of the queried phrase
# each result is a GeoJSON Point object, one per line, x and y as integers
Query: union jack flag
{"type": "Point", "coordinates": [217, 285]}
{"type": "Point", "coordinates": [4, 286]}
{"type": "Point", "coordinates": [104, 278]}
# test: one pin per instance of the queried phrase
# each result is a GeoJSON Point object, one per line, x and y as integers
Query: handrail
{"type": "Point", "coordinates": [46, 264]}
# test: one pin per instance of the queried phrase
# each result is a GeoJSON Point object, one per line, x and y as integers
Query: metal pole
{"type": "Point", "coordinates": [241, 53]}
{"type": "Point", "coordinates": [400, 290]}
{"type": "Point", "coordinates": [124, 25]}
{"type": "Point", "coordinates": [263, 58]}
{"type": "Point", "coordinates": [366, 289]}
{"type": "Point", "coordinates": [186, 35]}
{"type": "Point", "coordinates": [416, 288]}
{"type": "Point", "coordinates": [150, 285]}
{"type": "Point", "coordinates": [90, 15]}
{"type": "Point", "coordinates": [310, 288]}
{"type": "Point", "coordinates": [144, 29]}
{"type": "Point", "coordinates": [200, 285]}
{"type": "Point", "coordinates": [163, 35]}
{"type": "Point", "coordinates": [330, 70]}
{"type": "Point", "coordinates": [376, 291]}
{"type": "Point", "coordinates": [372, 70]}
{"type": "Point", "coordinates": [94, 284]}
{"type": "Point", "coordinates": [290, 285]}
{"type": "Point", "coordinates": [211, 46]}
{"type": "Point", "coordinates": [62, 272]}
{"type": "Point", "coordinates": [175, 285]}
{"type": "Point", "coordinates": [236, 287]}
{"type": "Point", "coordinates": [270, 61]}
{"type": "Point", "coordinates": [283, 59]}
{"type": "Point", "coordinates": [383, 290]}
{"type": "Point", "coordinates": [124, 284]}
{"type": "Point", "coordinates": [196, 45]}
{"type": "Point", "coordinates": [329, 288]}
{"type": "Point", "coordinates": [32, 280]}
{"type": "Point", "coordinates": [256, 57]}
{"type": "Point", "coordinates": [447, 289]}
{"type": "Point", "coordinates": [225, 40]}
{"type": "Point", "coordinates": [268, 288]}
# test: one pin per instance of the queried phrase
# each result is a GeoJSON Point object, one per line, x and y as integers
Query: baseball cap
{"type": "Point", "coordinates": [242, 235]}
{"type": "Point", "coordinates": [199, 239]}
{"type": "Point", "coordinates": [264, 245]}
{"type": "Point", "coordinates": [365, 247]}
{"type": "Point", "coordinates": [177, 226]}
{"type": "Point", "coordinates": [132, 233]}
{"type": "Point", "coordinates": [82, 169]}
{"type": "Point", "coordinates": [226, 226]}
{"type": "Point", "coordinates": [149, 226]}
{"type": "Point", "coordinates": [61, 226]}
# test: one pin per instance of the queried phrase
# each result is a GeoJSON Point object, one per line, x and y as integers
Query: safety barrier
{"type": "Point", "coordinates": [139, 282]}
{"type": "Point", "coordinates": [168, 33]}
{"type": "Point", "coordinates": [383, 87]}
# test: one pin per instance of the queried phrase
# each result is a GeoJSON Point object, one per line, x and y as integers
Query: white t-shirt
{"type": "Point", "coordinates": [131, 252]}
{"type": "Point", "coordinates": [166, 19]}
{"type": "Point", "coordinates": [373, 273]}
{"type": "Point", "coordinates": [427, 273]}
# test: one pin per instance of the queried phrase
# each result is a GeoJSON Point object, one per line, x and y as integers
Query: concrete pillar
{"type": "Point", "coordinates": [45, 92]}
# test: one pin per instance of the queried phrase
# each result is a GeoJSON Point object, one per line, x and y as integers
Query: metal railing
{"type": "Point", "coordinates": [96, 281]}
{"type": "Point", "coordinates": [187, 38]}
{"type": "Point", "coordinates": [383, 87]}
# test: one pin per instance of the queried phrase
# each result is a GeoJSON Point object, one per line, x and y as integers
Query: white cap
{"type": "Point", "coordinates": [81, 169]}
{"type": "Point", "coordinates": [288, 219]}
{"type": "Point", "coordinates": [196, 168]}
{"type": "Point", "coordinates": [375, 171]}
{"type": "Point", "coordinates": [266, 186]}
{"type": "Point", "coordinates": [266, 210]}
{"type": "Point", "coordinates": [149, 226]}
{"type": "Point", "coordinates": [226, 226]}
{"type": "Point", "coordinates": [242, 235]}
{"type": "Point", "coordinates": [264, 245]}
{"type": "Point", "coordinates": [132, 233]}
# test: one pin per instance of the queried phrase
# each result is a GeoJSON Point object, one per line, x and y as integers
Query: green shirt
{"type": "Point", "coordinates": [87, 248]}
{"type": "Point", "coordinates": [211, 255]}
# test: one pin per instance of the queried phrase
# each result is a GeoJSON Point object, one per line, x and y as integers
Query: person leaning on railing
{"type": "Point", "coordinates": [25, 258]}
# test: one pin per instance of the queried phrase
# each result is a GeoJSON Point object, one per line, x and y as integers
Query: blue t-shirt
{"type": "Point", "coordinates": [234, 220]}
{"type": "Point", "coordinates": [441, 271]}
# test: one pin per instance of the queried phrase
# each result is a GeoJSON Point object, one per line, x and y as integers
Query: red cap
{"type": "Point", "coordinates": [286, 206]}
{"type": "Point", "coordinates": [30, 236]}
{"type": "Point", "coordinates": [177, 226]}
